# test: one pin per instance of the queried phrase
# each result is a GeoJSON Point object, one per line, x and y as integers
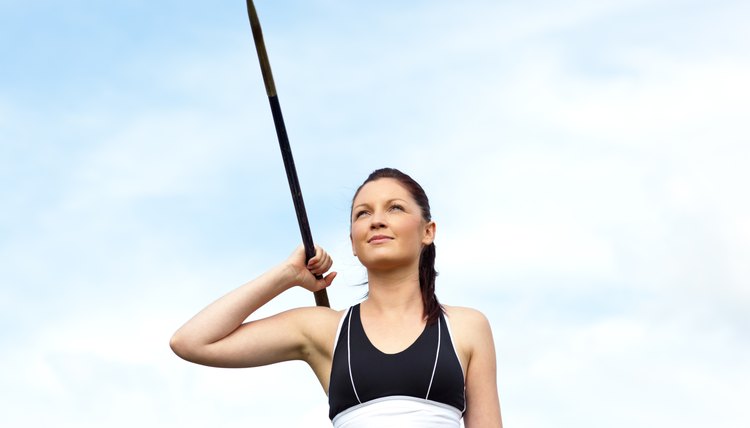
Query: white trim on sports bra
{"type": "Point", "coordinates": [338, 330]}
{"type": "Point", "coordinates": [455, 350]}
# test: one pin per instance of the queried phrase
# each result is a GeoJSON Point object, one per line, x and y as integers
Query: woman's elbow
{"type": "Point", "coordinates": [182, 347]}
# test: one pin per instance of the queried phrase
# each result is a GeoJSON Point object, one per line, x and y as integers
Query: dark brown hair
{"type": "Point", "coordinates": [427, 273]}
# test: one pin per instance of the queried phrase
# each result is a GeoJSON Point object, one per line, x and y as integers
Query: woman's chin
{"type": "Point", "coordinates": [386, 263]}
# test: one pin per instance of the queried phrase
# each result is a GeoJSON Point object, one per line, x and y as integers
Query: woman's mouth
{"type": "Point", "coordinates": [378, 239]}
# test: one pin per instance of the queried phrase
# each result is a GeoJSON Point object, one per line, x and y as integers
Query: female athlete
{"type": "Point", "coordinates": [397, 359]}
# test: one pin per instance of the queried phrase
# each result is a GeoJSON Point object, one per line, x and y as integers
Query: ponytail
{"type": "Point", "coordinates": [427, 275]}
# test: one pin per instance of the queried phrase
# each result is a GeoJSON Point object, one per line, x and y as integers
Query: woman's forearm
{"type": "Point", "coordinates": [222, 317]}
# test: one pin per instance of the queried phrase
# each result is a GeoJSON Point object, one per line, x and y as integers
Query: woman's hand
{"type": "Point", "coordinates": [310, 275]}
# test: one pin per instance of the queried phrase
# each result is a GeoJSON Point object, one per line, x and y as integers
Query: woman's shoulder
{"type": "Point", "coordinates": [470, 326]}
{"type": "Point", "coordinates": [464, 314]}
{"type": "Point", "coordinates": [317, 323]}
{"type": "Point", "coordinates": [317, 315]}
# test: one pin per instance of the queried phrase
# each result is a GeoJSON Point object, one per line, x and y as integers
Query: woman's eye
{"type": "Point", "coordinates": [397, 207]}
{"type": "Point", "coordinates": [359, 214]}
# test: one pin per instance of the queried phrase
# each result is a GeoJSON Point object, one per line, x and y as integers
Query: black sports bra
{"type": "Point", "coordinates": [428, 369]}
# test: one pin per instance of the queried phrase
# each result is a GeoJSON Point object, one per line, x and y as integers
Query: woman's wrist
{"type": "Point", "coordinates": [287, 275]}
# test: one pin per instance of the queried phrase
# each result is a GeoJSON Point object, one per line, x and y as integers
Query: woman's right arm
{"type": "Point", "coordinates": [217, 335]}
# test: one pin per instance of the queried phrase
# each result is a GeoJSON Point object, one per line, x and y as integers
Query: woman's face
{"type": "Point", "coordinates": [387, 229]}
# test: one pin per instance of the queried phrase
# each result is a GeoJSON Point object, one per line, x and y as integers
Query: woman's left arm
{"type": "Point", "coordinates": [482, 401]}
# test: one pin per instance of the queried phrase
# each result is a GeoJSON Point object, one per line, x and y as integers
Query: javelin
{"type": "Point", "coordinates": [321, 297]}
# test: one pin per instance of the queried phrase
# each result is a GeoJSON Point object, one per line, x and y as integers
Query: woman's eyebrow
{"type": "Point", "coordinates": [367, 204]}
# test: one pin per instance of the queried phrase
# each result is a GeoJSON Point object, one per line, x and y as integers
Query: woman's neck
{"type": "Point", "coordinates": [394, 291]}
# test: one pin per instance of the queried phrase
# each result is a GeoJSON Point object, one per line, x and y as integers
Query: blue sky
{"type": "Point", "coordinates": [586, 163]}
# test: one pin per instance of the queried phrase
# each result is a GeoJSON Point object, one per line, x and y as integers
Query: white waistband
{"type": "Point", "coordinates": [399, 412]}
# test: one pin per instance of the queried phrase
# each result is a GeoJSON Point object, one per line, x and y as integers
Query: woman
{"type": "Point", "coordinates": [399, 358]}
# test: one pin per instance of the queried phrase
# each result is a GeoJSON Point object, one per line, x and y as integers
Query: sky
{"type": "Point", "coordinates": [585, 161]}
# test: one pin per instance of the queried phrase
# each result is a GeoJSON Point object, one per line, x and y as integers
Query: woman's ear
{"type": "Point", "coordinates": [429, 233]}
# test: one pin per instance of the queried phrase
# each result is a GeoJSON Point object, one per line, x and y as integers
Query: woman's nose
{"type": "Point", "coordinates": [377, 220]}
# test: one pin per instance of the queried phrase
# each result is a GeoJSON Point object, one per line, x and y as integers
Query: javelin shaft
{"type": "Point", "coordinates": [321, 297]}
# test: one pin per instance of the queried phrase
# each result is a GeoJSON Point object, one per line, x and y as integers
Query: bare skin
{"type": "Point", "coordinates": [387, 236]}
{"type": "Point", "coordinates": [219, 336]}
